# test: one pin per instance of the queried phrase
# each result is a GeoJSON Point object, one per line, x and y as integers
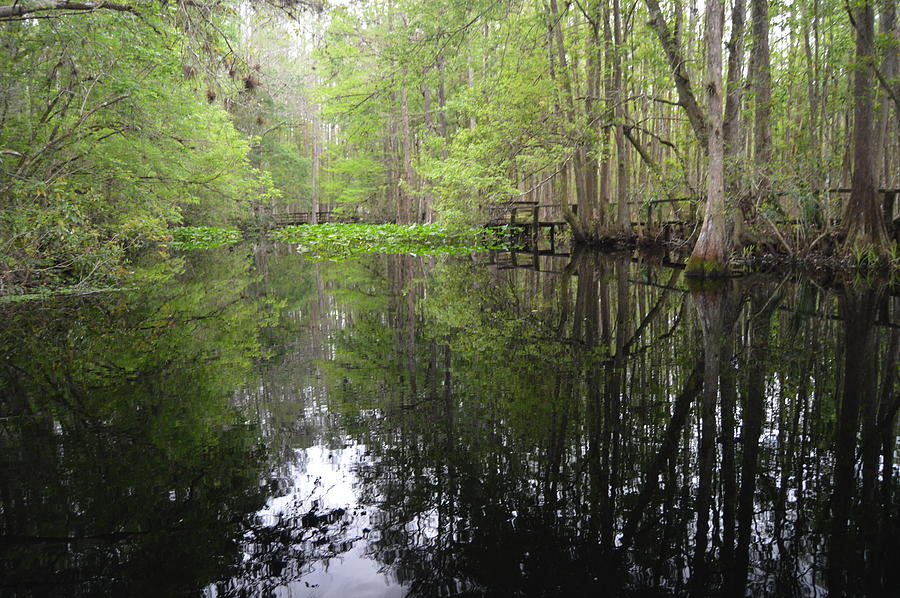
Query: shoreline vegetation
{"type": "Point", "coordinates": [767, 132]}
{"type": "Point", "coordinates": [339, 242]}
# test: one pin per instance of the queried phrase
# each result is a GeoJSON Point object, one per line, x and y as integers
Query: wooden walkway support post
{"type": "Point", "coordinates": [888, 206]}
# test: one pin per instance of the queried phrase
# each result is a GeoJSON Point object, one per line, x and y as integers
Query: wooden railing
{"type": "Point", "coordinates": [322, 217]}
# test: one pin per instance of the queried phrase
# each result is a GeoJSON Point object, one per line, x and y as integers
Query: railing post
{"type": "Point", "coordinates": [888, 207]}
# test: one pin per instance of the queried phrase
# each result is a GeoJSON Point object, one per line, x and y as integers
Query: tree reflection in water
{"type": "Point", "coordinates": [447, 427]}
{"type": "Point", "coordinates": [603, 428]}
{"type": "Point", "coordinates": [124, 468]}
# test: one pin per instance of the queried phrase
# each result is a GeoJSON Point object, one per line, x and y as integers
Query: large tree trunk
{"type": "Point", "coordinates": [710, 253]}
{"type": "Point", "coordinates": [863, 216]}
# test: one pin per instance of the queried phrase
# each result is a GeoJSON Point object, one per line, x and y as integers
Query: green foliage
{"type": "Point", "coordinates": [289, 169]}
{"type": "Point", "coordinates": [342, 241]}
{"type": "Point", "coordinates": [107, 143]}
{"type": "Point", "coordinates": [203, 237]}
{"type": "Point", "coordinates": [353, 181]}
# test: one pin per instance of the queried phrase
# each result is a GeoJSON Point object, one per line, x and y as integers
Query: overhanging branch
{"type": "Point", "coordinates": [18, 10]}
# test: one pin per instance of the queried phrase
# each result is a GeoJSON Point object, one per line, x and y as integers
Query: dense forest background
{"type": "Point", "coordinates": [777, 121]}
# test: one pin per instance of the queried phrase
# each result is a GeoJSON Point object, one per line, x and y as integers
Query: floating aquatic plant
{"type": "Point", "coordinates": [203, 237]}
{"type": "Point", "coordinates": [342, 241]}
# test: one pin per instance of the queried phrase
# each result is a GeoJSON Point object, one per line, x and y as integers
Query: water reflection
{"type": "Point", "coordinates": [443, 427]}
{"type": "Point", "coordinates": [124, 469]}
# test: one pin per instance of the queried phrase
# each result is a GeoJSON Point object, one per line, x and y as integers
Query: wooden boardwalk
{"type": "Point", "coordinates": [527, 220]}
{"type": "Point", "coordinates": [322, 217]}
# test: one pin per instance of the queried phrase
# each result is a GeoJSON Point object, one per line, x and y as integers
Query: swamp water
{"type": "Point", "coordinates": [247, 423]}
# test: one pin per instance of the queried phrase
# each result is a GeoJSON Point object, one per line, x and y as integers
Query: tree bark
{"type": "Point", "coordinates": [556, 35]}
{"type": "Point", "coordinates": [404, 213]}
{"type": "Point", "coordinates": [731, 127]}
{"type": "Point", "coordinates": [762, 88]}
{"type": "Point", "coordinates": [623, 218]}
{"type": "Point", "coordinates": [863, 216]}
{"type": "Point", "coordinates": [732, 130]}
{"type": "Point", "coordinates": [314, 174]}
{"type": "Point", "coordinates": [890, 65]}
{"type": "Point", "coordinates": [710, 253]}
{"type": "Point", "coordinates": [586, 213]}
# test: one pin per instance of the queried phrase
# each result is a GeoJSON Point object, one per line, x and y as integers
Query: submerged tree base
{"type": "Point", "coordinates": [759, 255]}
{"type": "Point", "coordinates": [698, 267]}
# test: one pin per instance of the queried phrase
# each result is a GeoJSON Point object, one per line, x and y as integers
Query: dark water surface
{"type": "Point", "coordinates": [247, 423]}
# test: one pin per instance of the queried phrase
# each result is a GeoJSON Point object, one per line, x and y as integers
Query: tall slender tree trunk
{"type": "Point", "coordinates": [586, 214]}
{"type": "Point", "coordinates": [470, 76]}
{"type": "Point", "coordinates": [761, 76]}
{"type": "Point", "coordinates": [314, 175]}
{"type": "Point", "coordinates": [890, 69]}
{"type": "Point", "coordinates": [622, 213]}
{"type": "Point", "coordinates": [404, 204]}
{"type": "Point", "coordinates": [609, 98]}
{"type": "Point", "coordinates": [732, 130]}
{"type": "Point", "coordinates": [817, 181]}
{"type": "Point", "coordinates": [569, 108]}
{"type": "Point", "coordinates": [709, 256]}
{"type": "Point", "coordinates": [427, 197]}
{"type": "Point", "coordinates": [442, 112]}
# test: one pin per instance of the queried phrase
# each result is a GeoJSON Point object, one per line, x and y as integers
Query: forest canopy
{"type": "Point", "coordinates": [778, 121]}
